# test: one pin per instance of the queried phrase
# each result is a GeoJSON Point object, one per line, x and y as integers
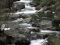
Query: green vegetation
{"type": "Point", "coordinates": [50, 5]}
{"type": "Point", "coordinates": [54, 40]}
{"type": "Point", "coordinates": [53, 6]}
{"type": "Point", "coordinates": [44, 2]}
{"type": "Point", "coordinates": [5, 6]}
{"type": "Point", "coordinates": [51, 11]}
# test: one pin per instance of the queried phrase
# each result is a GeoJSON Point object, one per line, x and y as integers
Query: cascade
{"type": "Point", "coordinates": [28, 8]}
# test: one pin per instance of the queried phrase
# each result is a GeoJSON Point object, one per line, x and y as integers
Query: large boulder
{"type": "Point", "coordinates": [22, 42]}
{"type": "Point", "coordinates": [18, 5]}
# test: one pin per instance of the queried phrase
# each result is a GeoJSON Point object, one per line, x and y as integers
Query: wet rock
{"type": "Point", "coordinates": [56, 24]}
{"type": "Point", "coordinates": [9, 40]}
{"type": "Point", "coordinates": [45, 24]}
{"type": "Point", "coordinates": [18, 6]}
{"type": "Point", "coordinates": [13, 16]}
{"type": "Point", "coordinates": [22, 42]}
{"type": "Point", "coordinates": [33, 4]}
{"type": "Point", "coordinates": [38, 7]}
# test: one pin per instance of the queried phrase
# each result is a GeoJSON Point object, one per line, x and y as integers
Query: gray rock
{"type": "Point", "coordinates": [33, 4]}
{"type": "Point", "coordinates": [18, 5]}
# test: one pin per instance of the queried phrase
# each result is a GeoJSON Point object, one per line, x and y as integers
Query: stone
{"type": "Point", "coordinates": [33, 4]}
{"type": "Point", "coordinates": [18, 6]}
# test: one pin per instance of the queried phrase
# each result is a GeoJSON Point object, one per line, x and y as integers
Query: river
{"type": "Point", "coordinates": [29, 10]}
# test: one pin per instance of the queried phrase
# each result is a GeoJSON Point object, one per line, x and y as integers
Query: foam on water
{"type": "Point", "coordinates": [26, 12]}
{"type": "Point", "coordinates": [25, 25]}
{"type": "Point", "coordinates": [39, 42]}
{"type": "Point", "coordinates": [47, 31]}
{"type": "Point", "coordinates": [26, 1]}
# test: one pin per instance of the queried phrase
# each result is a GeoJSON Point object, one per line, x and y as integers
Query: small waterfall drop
{"type": "Point", "coordinates": [28, 8]}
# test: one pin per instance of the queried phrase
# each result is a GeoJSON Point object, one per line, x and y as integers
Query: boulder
{"type": "Point", "coordinates": [22, 42]}
{"type": "Point", "coordinates": [18, 6]}
{"type": "Point", "coordinates": [33, 4]}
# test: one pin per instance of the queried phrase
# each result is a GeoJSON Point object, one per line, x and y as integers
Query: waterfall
{"type": "Point", "coordinates": [28, 8]}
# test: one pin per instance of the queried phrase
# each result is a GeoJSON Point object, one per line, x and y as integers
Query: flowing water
{"type": "Point", "coordinates": [29, 10]}
{"type": "Point", "coordinates": [39, 42]}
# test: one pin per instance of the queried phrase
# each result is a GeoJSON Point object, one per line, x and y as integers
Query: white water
{"type": "Point", "coordinates": [25, 25]}
{"type": "Point", "coordinates": [26, 1]}
{"type": "Point", "coordinates": [48, 32]}
{"type": "Point", "coordinates": [28, 9]}
{"type": "Point", "coordinates": [39, 42]}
